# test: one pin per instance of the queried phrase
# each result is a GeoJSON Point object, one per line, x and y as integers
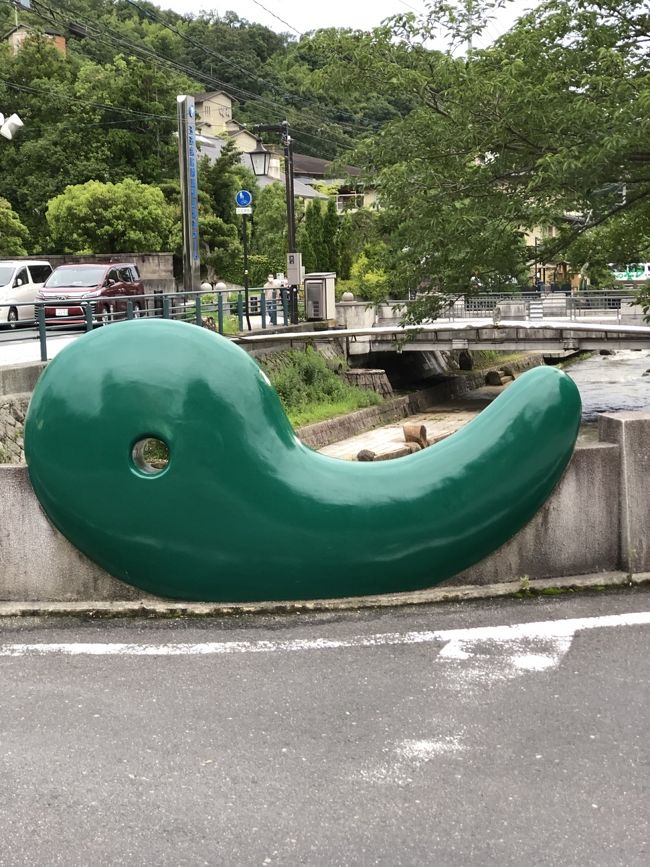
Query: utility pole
{"type": "Point", "coordinates": [244, 234]}
{"type": "Point", "coordinates": [287, 143]}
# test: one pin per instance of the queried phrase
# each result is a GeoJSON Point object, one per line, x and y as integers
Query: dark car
{"type": "Point", "coordinates": [106, 288]}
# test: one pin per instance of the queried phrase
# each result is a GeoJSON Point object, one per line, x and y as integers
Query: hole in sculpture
{"type": "Point", "coordinates": [151, 455]}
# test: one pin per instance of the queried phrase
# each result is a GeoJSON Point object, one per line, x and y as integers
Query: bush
{"type": "Point", "coordinates": [310, 388]}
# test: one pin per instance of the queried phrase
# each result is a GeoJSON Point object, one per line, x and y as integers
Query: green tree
{"type": "Point", "coordinates": [369, 277]}
{"type": "Point", "coordinates": [344, 246]}
{"type": "Point", "coordinates": [13, 234]}
{"type": "Point", "coordinates": [222, 249]}
{"type": "Point", "coordinates": [110, 218]}
{"type": "Point", "coordinates": [528, 132]}
{"type": "Point", "coordinates": [269, 239]}
{"type": "Point", "coordinates": [314, 241]}
{"type": "Point", "coordinates": [222, 179]}
{"type": "Point", "coordinates": [330, 233]}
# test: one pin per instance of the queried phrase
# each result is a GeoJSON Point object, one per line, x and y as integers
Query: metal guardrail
{"type": "Point", "coordinates": [223, 312]}
{"type": "Point", "coordinates": [553, 304]}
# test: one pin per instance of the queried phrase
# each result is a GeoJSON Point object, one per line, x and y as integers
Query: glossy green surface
{"type": "Point", "coordinates": [244, 511]}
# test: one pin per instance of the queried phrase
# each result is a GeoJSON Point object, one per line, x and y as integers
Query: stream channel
{"type": "Point", "coordinates": [607, 383]}
{"type": "Point", "coordinates": [610, 383]}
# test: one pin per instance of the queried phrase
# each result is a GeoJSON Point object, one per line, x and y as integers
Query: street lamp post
{"type": "Point", "coordinates": [260, 160]}
{"type": "Point", "coordinates": [536, 277]}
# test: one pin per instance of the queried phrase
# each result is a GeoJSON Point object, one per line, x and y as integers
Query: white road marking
{"type": "Point", "coordinates": [460, 642]}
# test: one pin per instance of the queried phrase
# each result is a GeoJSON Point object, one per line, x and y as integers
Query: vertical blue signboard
{"type": "Point", "coordinates": [189, 191]}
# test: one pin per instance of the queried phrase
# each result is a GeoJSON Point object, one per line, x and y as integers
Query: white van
{"type": "Point", "coordinates": [19, 283]}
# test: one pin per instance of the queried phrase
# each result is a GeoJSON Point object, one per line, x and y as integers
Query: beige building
{"type": "Point", "coordinates": [215, 123]}
{"type": "Point", "coordinates": [558, 273]}
{"type": "Point", "coordinates": [18, 35]}
{"type": "Point", "coordinates": [214, 112]}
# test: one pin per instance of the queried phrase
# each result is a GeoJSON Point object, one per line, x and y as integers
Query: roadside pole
{"type": "Point", "coordinates": [188, 168]}
{"type": "Point", "coordinates": [244, 201]}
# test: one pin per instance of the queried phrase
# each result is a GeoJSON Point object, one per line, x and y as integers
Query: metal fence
{"type": "Point", "coordinates": [223, 312]}
{"type": "Point", "coordinates": [550, 305]}
{"type": "Point", "coordinates": [226, 313]}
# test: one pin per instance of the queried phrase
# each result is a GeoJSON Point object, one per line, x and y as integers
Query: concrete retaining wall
{"type": "Point", "coordinates": [324, 433]}
{"type": "Point", "coordinates": [576, 532]}
{"type": "Point", "coordinates": [13, 408]}
{"type": "Point", "coordinates": [152, 266]}
{"type": "Point", "coordinates": [595, 521]}
{"type": "Point", "coordinates": [20, 378]}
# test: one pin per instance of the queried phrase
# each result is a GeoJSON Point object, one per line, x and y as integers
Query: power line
{"type": "Point", "coordinates": [253, 75]}
{"type": "Point", "coordinates": [102, 35]}
{"type": "Point", "coordinates": [140, 114]}
{"type": "Point", "coordinates": [277, 17]}
{"type": "Point", "coordinates": [228, 61]}
{"type": "Point", "coordinates": [412, 8]}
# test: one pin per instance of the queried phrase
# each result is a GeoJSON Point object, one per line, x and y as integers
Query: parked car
{"type": "Point", "coordinates": [107, 288]}
{"type": "Point", "coordinates": [20, 283]}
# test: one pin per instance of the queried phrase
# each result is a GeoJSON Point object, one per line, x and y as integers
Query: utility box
{"type": "Point", "coordinates": [320, 295]}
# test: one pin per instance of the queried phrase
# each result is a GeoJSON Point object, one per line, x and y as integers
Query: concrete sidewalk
{"type": "Point", "coordinates": [29, 349]}
{"type": "Point", "coordinates": [153, 607]}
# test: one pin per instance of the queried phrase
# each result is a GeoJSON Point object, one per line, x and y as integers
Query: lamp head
{"type": "Point", "coordinates": [260, 159]}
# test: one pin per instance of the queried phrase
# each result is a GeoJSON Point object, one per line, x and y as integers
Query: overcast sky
{"type": "Point", "coordinates": [305, 15]}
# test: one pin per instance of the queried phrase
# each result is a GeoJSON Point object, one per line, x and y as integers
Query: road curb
{"type": "Point", "coordinates": [162, 608]}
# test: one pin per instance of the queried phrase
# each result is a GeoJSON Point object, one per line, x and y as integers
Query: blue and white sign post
{"type": "Point", "coordinates": [244, 201]}
{"type": "Point", "coordinates": [189, 191]}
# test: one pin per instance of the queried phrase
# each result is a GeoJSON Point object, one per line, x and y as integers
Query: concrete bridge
{"type": "Point", "coordinates": [552, 325]}
{"type": "Point", "coordinates": [550, 336]}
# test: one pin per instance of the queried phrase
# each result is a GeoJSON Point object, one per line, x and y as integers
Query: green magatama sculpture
{"type": "Point", "coordinates": [243, 510]}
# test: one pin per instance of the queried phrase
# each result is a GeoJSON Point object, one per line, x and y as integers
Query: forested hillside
{"type": "Point", "coordinates": [107, 110]}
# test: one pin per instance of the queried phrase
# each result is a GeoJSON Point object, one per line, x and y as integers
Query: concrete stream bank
{"type": "Point", "coordinates": [596, 521]}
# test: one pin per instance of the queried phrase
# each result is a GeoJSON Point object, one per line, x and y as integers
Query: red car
{"type": "Point", "coordinates": [107, 288]}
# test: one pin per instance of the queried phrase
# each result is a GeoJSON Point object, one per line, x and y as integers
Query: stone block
{"type": "Point", "coordinates": [631, 431]}
{"type": "Point", "coordinates": [575, 532]}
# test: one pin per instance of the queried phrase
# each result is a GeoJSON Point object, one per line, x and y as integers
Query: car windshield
{"type": "Point", "coordinates": [6, 273]}
{"type": "Point", "coordinates": [75, 277]}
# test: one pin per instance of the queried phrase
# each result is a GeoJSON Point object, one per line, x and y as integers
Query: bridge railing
{"type": "Point", "coordinates": [582, 305]}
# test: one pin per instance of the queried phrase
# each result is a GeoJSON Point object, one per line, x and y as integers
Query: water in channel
{"type": "Point", "coordinates": [610, 383]}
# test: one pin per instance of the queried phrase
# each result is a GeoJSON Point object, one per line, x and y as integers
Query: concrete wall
{"type": "Point", "coordinates": [576, 532]}
{"type": "Point", "coordinates": [150, 265]}
{"type": "Point", "coordinates": [631, 432]}
{"type": "Point", "coordinates": [13, 408]}
{"type": "Point", "coordinates": [595, 521]}
{"type": "Point", "coordinates": [20, 378]}
{"type": "Point", "coordinates": [323, 433]}
{"type": "Point", "coordinates": [36, 562]}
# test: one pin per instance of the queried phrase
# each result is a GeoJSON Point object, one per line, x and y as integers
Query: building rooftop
{"type": "Point", "coordinates": [315, 166]}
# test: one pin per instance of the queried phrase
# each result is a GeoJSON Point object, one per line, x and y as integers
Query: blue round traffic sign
{"type": "Point", "coordinates": [243, 198]}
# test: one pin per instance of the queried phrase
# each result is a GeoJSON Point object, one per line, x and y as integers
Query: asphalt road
{"type": "Point", "coordinates": [399, 737]}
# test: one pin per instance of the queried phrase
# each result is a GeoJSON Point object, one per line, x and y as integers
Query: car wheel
{"type": "Point", "coordinates": [12, 317]}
